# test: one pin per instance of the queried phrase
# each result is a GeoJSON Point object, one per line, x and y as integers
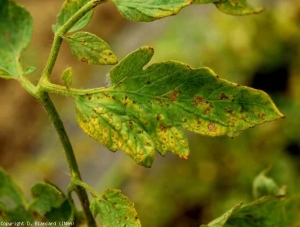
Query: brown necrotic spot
{"type": "Point", "coordinates": [199, 100]}
{"type": "Point", "coordinates": [174, 95]}
{"type": "Point", "coordinates": [223, 96]}
{"type": "Point", "coordinates": [211, 127]}
{"type": "Point", "coordinates": [85, 60]}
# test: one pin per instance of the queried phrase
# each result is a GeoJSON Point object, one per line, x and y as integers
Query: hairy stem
{"type": "Point", "coordinates": [75, 174]}
{"type": "Point", "coordinates": [43, 96]}
{"type": "Point", "coordinates": [62, 31]}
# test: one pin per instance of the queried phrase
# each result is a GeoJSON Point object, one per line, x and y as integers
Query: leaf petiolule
{"type": "Point", "coordinates": [144, 110]}
{"type": "Point", "coordinates": [69, 8]}
{"type": "Point", "coordinates": [237, 7]}
{"type": "Point", "coordinates": [89, 48]}
{"type": "Point", "coordinates": [16, 30]}
{"type": "Point", "coordinates": [115, 209]}
{"type": "Point", "coordinates": [141, 10]}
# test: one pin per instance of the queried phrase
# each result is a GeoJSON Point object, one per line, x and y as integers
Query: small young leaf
{"type": "Point", "coordinates": [89, 48]}
{"type": "Point", "coordinates": [237, 7]}
{"type": "Point", "coordinates": [144, 110]}
{"type": "Point", "coordinates": [141, 10]}
{"type": "Point", "coordinates": [46, 197]}
{"type": "Point", "coordinates": [66, 77]}
{"type": "Point", "coordinates": [29, 70]}
{"type": "Point", "coordinates": [15, 36]}
{"type": "Point", "coordinates": [263, 186]}
{"type": "Point", "coordinates": [115, 209]}
{"type": "Point", "coordinates": [69, 8]}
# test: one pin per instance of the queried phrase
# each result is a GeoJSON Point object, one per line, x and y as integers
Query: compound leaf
{"type": "Point", "coordinates": [69, 8]}
{"type": "Point", "coordinates": [89, 48]}
{"type": "Point", "coordinates": [115, 209]}
{"type": "Point", "coordinates": [237, 7]}
{"type": "Point", "coordinates": [141, 10]}
{"type": "Point", "coordinates": [16, 29]}
{"type": "Point", "coordinates": [144, 110]}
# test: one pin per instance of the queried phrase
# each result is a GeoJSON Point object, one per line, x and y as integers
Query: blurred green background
{"type": "Point", "coordinates": [261, 51]}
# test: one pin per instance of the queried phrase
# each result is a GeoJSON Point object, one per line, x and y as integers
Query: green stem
{"type": "Point", "coordinates": [75, 174]}
{"type": "Point", "coordinates": [42, 95]}
{"type": "Point", "coordinates": [62, 31]}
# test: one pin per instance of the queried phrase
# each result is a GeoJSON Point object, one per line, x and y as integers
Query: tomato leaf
{"type": "Point", "coordinates": [69, 8]}
{"type": "Point", "coordinates": [263, 186]}
{"type": "Point", "coordinates": [89, 48]}
{"type": "Point", "coordinates": [267, 211]}
{"type": "Point", "coordinates": [144, 110]}
{"type": "Point", "coordinates": [141, 10]}
{"type": "Point", "coordinates": [115, 209]}
{"type": "Point", "coordinates": [50, 202]}
{"type": "Point", "coordinates": [16, 30]}
{"type": "Point", "coordinates": [237, 7]}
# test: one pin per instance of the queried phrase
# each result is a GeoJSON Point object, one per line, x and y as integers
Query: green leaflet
{"type": "Point", "coordinates": [220, 222]}
{"type": "Point", "coordinates": [263, 186]}
{"type": "Point", "coordinates": [144, 110]}
{"type": "Point", "coordinates": [89, 48]}
{"type": "Point", "coordinates": [50, 202]}
{"type": "Point", "coordinates": [115, 209]}
{"type": "Point", "coordinates": [269, 211]}
{"type": "Point", "coordinates": [237, 7]}
{"type": "Point", "coordinates": [16, 29]}
{"type": "Point", "coordinates": [46, 196]}
{"type": "Point", "coordinates": [141, 10]}
{"type": "Point", "coordinates": [69, 8]}
{"type": "Point", "coordinates": [11, 197]}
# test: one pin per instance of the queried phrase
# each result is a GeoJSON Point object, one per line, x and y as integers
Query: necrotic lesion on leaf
{"type": "Point", "coordinates": [146, 110]}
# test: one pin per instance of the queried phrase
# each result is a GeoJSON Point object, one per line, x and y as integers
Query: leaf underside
{"type": "Point", "coordinates": [68, 9]}
{"type": "Point", "coordinates": [15, 36]}
{"type": "Point", "coordinates": [115, 209]}
{"type": "Point", "coordinates": [145, 110]}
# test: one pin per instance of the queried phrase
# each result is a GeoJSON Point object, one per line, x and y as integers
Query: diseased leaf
{"type": "Point", "coordinates": [66, 77]}
{"type": "Point", "coordinates": [69, 8]}
{"type": "Point", "coordinates": [89, 48]}
{"type": "Point", "coordinates": [144, 110]}
{"type": "Point", "coordinates": [15, 36]}
{"type": "Point", "coordinates": [264, 186]}
{"type": "Point", "coordinates": [141, 10]}
{"type": "Point", "coordinates": [46, 197]}
{"type": "Point", "coordinates": [206, 1]}
{"type": "Point", "coordinates": [115, 209]}
{"type": "Point", "coordinates": [237, 7]}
